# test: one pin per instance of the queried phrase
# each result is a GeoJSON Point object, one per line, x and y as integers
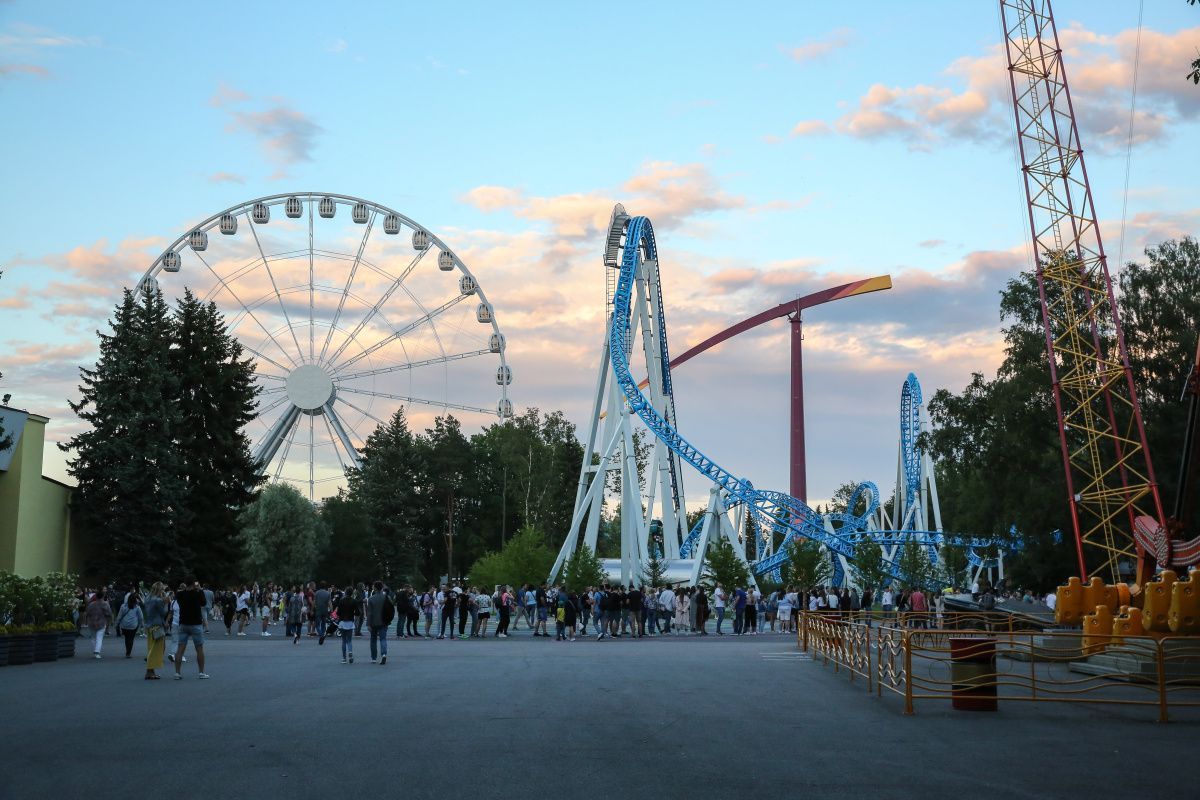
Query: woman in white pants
{"type": "Point", "coordinates": [98, 616]}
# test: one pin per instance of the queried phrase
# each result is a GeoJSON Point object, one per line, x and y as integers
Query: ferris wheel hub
{"type": "Point", "coordinates": [310, 387]}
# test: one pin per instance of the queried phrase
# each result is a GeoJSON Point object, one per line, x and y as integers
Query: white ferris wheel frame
{"type": "Point", "coordinates": [281, 433]}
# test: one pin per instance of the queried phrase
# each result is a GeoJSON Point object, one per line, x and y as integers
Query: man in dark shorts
{"type": "Point", "coordinates": [191, 625]}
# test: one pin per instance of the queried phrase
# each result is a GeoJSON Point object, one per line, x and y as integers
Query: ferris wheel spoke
{"type": "Point", "coordinates": [428, 317]}
{"type": "Point", "coordinates": [387, 295]}
{"type": "Point", "coordinates": [311, 284]}
{"type": "Point", "coordinates": [312, 444]}
{"type": "Point", "coordinates": [267, 375]}
{"type": "Point", "coordinates": [235, 296]}
{"type": "Point", "coordinates": [267, 409]}
{"type": "Point", "coordinates": [274, 286]}
{"type": "Point", "coordinates": [349, 281]}
{"type": "Point", "coordinates": [414, 364]}
{"type": "Point", "coordinates": [417, 400]}
{"type": "Point", "coordinates": [363, 411]}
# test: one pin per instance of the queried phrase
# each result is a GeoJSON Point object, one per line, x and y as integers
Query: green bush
{"type": "Point", "coordinates": [35, 601]}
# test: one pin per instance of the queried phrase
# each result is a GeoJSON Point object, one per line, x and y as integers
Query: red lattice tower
{"type": "Point", "coordinates": [1110, 478]}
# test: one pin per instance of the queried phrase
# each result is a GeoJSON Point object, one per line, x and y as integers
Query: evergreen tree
{"type": "Point", "coordinates": [129, 498]}
{"type": "Point", "coordinates": [722, 565]}
{"type": "Point", "coordinates": [446, 454]}
{"type": "Point", "coordinates": [869, 567]}
{"type": "Point", "coordinates": [654, 573]}
{"type": "Point", "coordinates": [387, 484]}
{"type": "Point", "coordinates": [282, 536]}
{"type": "Point", "coordinates": [349, 558]}
{"type": "Point", "coordinates": [583, 569]}
{"type": "Point", "coordinates": [912, 566]}
{"type": "Point", "coordinates": [216, 398]}
{"type": "Point", "coordinates": [807, 564]}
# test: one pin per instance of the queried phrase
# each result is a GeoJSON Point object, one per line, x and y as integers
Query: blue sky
{"type": "Point", "coordinates": [772, 166]}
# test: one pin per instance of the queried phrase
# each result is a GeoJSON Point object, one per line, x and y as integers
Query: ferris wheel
{"type": "Point", "coordinates": [350, 310]}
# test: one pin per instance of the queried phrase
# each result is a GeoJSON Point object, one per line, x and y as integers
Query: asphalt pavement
{"type": "Point", "coordinates": [527, 718]}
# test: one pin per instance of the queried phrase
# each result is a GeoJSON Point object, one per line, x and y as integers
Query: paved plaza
{"type": "Point", "coordinates": [522, 718]}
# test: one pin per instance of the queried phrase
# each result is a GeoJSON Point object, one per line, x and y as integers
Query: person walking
{"type": "Point", "coordinates": [190, 600]}
{"type": "Point", "coordinates": [380, 612]}
{"type": "Point", "coordinates": [321, 608]}
{"type": "Point", "coordinates": [154, 617]}
{"type": "Point", "coordinates": [295, 614]}
{"type": "Point", "coordinates": [345, 613]}
{"type": "Point", "coordinates": [98, 614]}
{"type": "Point", "coordinates": [129, 622]}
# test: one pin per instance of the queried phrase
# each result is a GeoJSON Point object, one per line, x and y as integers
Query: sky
{"type": "Point", "coordinates": [795, 147]}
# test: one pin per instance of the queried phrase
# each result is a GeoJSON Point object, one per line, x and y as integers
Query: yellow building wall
{"type": "Point", "coordinates": [34, 511]}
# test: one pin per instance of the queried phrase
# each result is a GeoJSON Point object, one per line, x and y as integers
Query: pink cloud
{"type": "Point", "coordinates": [17, 70]}
{"type": "Point", "coordinates": [973, 100]}
{"type": "Point", "coordinates": [819, 48]}
{"type": "Point", "coordinates": [226, 177]}
{"type": "Point", "coordinates": [493, 198]}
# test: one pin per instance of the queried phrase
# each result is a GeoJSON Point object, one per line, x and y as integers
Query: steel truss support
{"type": "Point", "coordinates": [1110, 476]}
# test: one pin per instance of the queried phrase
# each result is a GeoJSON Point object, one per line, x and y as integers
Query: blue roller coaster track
{"type": "Point", "coordinates": [776, 512]}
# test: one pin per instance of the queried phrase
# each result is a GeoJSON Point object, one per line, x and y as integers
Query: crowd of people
{"type": "Point", "coordinates": [452, 611]}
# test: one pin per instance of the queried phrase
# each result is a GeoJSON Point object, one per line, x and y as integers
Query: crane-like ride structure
{"type": "Point", "coordinates": [1111, 486]}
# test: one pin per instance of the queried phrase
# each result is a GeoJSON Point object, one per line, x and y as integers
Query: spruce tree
{"type": "Point", "coordinates": [216, 398]}
{"type": "Point", "coordinates": [129, 496]}
{"type": "Point", "coordinates": [583, 569]}
{"type": "Point", "coordinates": [386, 484]}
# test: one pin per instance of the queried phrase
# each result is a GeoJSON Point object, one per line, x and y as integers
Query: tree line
{"type": "Point", "coordinates": [167, 485]}
{"type": "Point", "coordinates": [996, 442]}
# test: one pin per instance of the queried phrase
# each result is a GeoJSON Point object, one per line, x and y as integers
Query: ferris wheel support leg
{"type": "Point", "coordinates": [274, 438]}
{"type": "Point", "coordinates": [340, 430]}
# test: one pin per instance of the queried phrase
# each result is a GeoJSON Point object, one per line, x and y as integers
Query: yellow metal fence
{"type": "Point", "coordinates": [905, 657]}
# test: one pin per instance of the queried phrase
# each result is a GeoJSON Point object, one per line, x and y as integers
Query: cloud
{"type": "Point", "coordinates": [226, 95]}
{"type": "Point", "coordinates": [287, 136]}
{"type": "Point", "coordinates": [18, 300]}
{"type": "Point", "coordinates": [226, 177]}
{"type": "Point", "coordinates": [819, 48]}
{"type": "Point", "coordinates": [971, 100]}
{"type": "Point", "coordinates": [810, 127]}
{"type": "Point", "coordinates": [493, 198]}
{"type": "Point", "coordinates": [337, 46]}
{"type": "Point", "coordinates": [32, 37]}
{"type": "Point", "coordinates": [931, 243]}
{"type": "Point", "coordinates": [18, 70]}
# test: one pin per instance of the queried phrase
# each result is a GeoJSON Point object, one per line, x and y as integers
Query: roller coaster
{"type": "Point", "coordinates": [636, 306]}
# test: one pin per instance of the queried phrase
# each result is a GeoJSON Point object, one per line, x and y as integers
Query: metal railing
{"type": "Point", "coordinates": [1028, 666]}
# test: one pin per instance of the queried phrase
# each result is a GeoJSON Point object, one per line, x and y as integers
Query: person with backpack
{"type": "Point", "coordinates": [380, 613]}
